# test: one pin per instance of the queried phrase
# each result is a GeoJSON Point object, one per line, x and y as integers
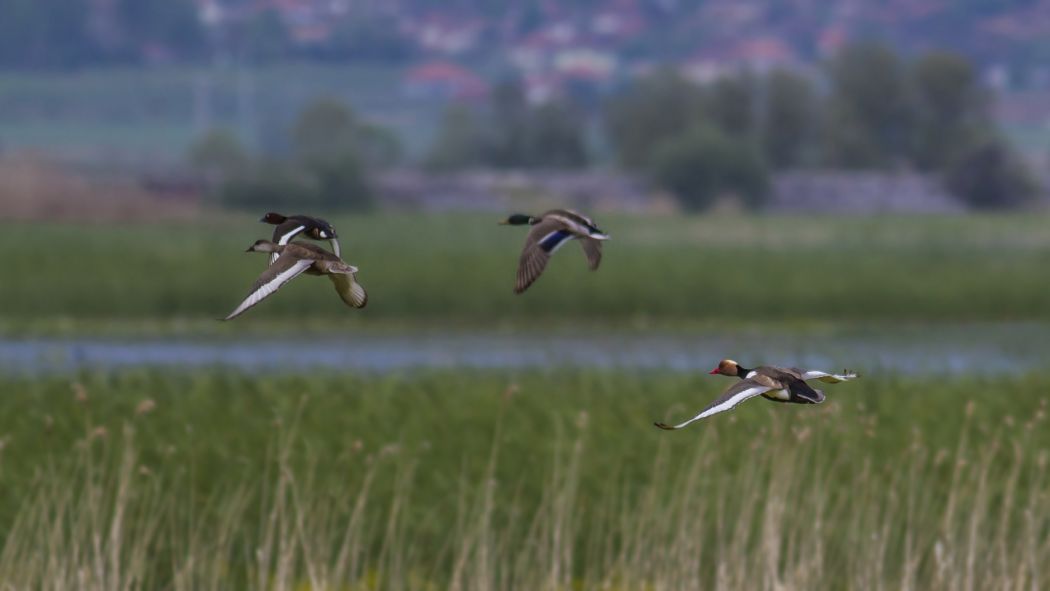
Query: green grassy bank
{"type": "Point", "coordinates": [459, 270]}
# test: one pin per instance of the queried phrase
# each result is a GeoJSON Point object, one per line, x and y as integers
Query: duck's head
{"type": "Point", "coordinates": [519, 219]}
{"type": "Point", "coordinates": [273, 218]}
{"type": "Point", "coordinates": [726, 367]}
{"type": "Point", "coordinates": [262, 246]}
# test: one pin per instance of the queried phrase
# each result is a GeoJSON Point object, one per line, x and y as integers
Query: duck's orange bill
{"type": "Point", "coordinates": [713, 371]}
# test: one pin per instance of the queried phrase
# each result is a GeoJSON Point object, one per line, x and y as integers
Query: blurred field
{"type": "Point", "coordinates": [156, 113]}
{"type": "Point", "coordinates": [458, 270]}
{"type": "Point", "coordinates": [33, 189]}
{"type": "Point", "coordinates": [144, 480]}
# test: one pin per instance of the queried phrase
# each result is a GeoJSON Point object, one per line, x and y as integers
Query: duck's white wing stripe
{"type": "Point", "coordinates": [830, 378]}
{"type": "Point", "coordinates": [285, 238]}
{"type": "Point", "coordinates": [723, 404]}
{"type": "Point", "coordinates": [266, 289]}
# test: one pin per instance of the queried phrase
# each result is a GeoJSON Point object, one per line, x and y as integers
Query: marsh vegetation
{"type": "Point", "coordinates": [145, 480]}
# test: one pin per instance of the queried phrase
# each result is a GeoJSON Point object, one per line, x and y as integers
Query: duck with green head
{"type": "Point", "coordinates": [549, 232]}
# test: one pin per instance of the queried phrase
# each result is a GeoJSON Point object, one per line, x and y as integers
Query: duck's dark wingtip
{"type": "Point", "coordinates": [664, 426]}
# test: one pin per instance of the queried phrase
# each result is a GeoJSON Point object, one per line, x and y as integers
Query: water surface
{"type": "Point", "coordinates": [976, 349]}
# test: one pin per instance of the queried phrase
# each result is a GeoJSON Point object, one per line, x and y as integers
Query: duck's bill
{"type": "Point", "coordinates": [335, 247]}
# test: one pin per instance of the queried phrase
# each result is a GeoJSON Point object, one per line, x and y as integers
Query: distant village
{"type": "Point", "coordinates": [460, 51]}
{"type": "Point", "coordinates": [551, 46]}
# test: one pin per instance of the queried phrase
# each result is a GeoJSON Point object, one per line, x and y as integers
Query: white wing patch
{"type": "Point", "coordinates": [829, 378]}
{"type": "Point", "coordinates": [285, 238]}
{"type": "Point", "coordinates": [290, 234]}
{"type": "Point", "coordinates": [268, 288]}
{"type": "Point", "coordinates": [726, 404]}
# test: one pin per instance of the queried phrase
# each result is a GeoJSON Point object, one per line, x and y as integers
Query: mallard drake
{"type": "Point", "coordinates": [289, 227]}
{"type": "Point", "coordinates": [779, 384]}
{"type": "Point", "coordinates": [295, 259]}
{"type": "Point", "coordinates": [549, 232]}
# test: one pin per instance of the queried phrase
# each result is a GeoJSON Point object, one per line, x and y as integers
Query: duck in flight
{"type": "Point", "coordinates": [779, 384]}
{"type": "Point", "coordinates": [288, 227]}
{"type": "Point", "coordinates": [294, 259]}
{"type": "Point", "coordinates": [550, 232]}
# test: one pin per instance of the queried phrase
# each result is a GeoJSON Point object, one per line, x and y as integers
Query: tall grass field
{"type": "Point", "coordinates": [152, 480]}
{"type": "Point", "coordinates": [458, 269]}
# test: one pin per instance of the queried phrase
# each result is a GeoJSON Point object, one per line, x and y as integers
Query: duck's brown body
{"type": "Point", "coordinates": [324, 262]}
{"type": "Point", "coordinates": [787, 384]}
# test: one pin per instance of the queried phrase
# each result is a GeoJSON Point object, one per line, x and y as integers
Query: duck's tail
{"type": "Point", "coordinates": [358, 295]}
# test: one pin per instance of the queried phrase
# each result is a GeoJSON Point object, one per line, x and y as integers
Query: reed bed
{"type": "Point", "coordinates": [447, 481]}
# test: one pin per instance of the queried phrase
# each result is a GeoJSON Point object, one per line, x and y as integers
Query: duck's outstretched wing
{"type": "Point", "coordinates": [736, 394]}
{"type": "Point", "coordinates": [282, 271]}
{"type": "Point", "coordinates": [593, 249]}
{"type": "Point", "coordinates": [349, 289]}
{"type": "Point", "coordinates": [542, 241]}
{"type": "Point", "coordinates": [828, 378]}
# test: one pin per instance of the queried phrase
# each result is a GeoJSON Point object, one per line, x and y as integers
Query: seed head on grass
{"type": "Point", "coordinates": [145, 407]}
{"type": "Point", "coordinates": [79, 393]}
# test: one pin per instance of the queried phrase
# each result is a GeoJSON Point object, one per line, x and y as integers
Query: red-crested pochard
{"type": "Point", "coordinates": [779, 384]}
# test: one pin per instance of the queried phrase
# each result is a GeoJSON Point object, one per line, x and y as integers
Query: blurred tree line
{"type": "Point", "coordinates": [877, 112]}
{"type": "Point", "coordinates": [871, 110]}
{"type": "Point", "coordinates": [328, 163]}
{"type": "Point", "coordinates": [510, 133]}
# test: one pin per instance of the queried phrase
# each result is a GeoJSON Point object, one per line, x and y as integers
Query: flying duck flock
{"type": "Point", "coordinates": [548, 233]}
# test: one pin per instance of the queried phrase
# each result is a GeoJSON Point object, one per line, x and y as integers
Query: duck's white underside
{"type": "Point", "coordinates": [778, 395]}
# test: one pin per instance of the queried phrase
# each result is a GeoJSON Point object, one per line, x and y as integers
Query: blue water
{"type": "Point", "coordinates": [980, 349]}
